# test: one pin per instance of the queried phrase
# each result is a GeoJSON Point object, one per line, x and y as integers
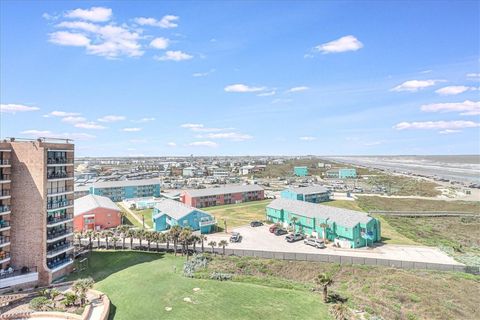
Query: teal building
{"type": "Point", "coordinates": [342, 173]}
{"type": "Point", "coordinates": [300, 171]}
{"type": "Point", "coordinates": [314, 194]}
{"type": "Point", "coordinates": [127, 189]}
{"type": "Point", "coordinates": [346, 228]}
{"type": "Point", "coordinates": [168, 213]}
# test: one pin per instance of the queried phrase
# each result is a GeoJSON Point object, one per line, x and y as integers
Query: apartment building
{"type": "Point", "coordinates": [36, 218]}
{"type": "Point", "coordinates": [127, 189]}
{"type": "Point", "coordinates": [313, 194]}
{"type": "Point", "coordinates": [228, 194]}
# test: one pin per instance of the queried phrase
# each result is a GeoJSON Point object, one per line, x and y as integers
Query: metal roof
{"type": "Point", "coordinates": [174, 209]}
{"type": "Point", "coordinates": [223, 190]}
{"type": "Point", "coordinates": [309, 190]}
{"type": "Point", "coordinates": [91, 202]}
{"type": "Point", "coordinates": [343, 217]}
{"type": "Point", "coordinates": [126, 183]}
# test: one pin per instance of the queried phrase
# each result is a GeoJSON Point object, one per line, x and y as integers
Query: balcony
{"type": "Point", "coordinates": [4, 162]}
{"type": "Point", "coordinates": [61, 161]}
{"type": "Point", "coordinates": [59, 191]}
{"type": "Point", "coordinates": [58, 175]}
{"type": "Point", "coordinates": [54, 221]}
{"type": "Point", "coordinates": [58, 263]}
{"type": "Point", "coordinates": [54, 235]}
{"type": "Point", "coordinates": [4, 209]}
{"type": "Point", "coordinates": [205, 223]}
{"type": "Point", "coordinates": [4, 178]}
{"type": "Point", "coordinates": [4, 225]}
{"type": "Point", "coordinates": [4, 256]}
{"type": "Point", "coordinates": [11, 277]}
{"type": "Point", "coordinates": [4, 194]}
{"type": "Point", "coordinates": [4, 241]}
{"type": "Point", "coordinates": [57, 249]}
{"type": "Point", "coordinates": [59, 204]}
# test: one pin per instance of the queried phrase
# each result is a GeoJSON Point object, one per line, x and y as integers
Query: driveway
{"type": "Point", "coordinates": [259, 238]}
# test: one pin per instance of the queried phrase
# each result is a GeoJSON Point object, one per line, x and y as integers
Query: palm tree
{"type": "Point", "coordinates": [294, 222]}
{"type": "Point", "coordinates": [185, 238]}
{"type": "Point", "coordinates": [123, 230]}
{"type": "Point", "coordinates": [89, 234]}
{"type": "Point", "coordinates": [106, 234]}
{"type": "Point", "coordinates": [123, 214]}
{"type": "Point", "coordinates": [158, 238]}
{"type": "Point", "coordinates": [149, 237]}
{"type": "Point", "coordinates": [324, 280]}
{"type": "Point", "coordinates": [195, 239]}
{"type": "Point", "coordinates": [223, 244]}
{"type": "Point", "coordinates": [131, 234]}
{"type": "Point", "coordinates": [140, 234]}
{"type": "Point", "coordinates": [175, 233]}
{"type": "Point", "coordinates": [212, 244]}
{"type": "Point", "coordinates": [97, 235]}
{"type": "Point", "coordinates": [203, 239]}
{"type": "Point", "coordinates": [115, 239]}
{"type": "Point", "coordinates": [78, 235]}
{"type": "Point", "coordinates": [167, 239]}
{"type": "Point", "coordinates": [80, 287]}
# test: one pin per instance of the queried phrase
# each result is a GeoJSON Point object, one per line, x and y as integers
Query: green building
{"type": "Point", "coordinates": [300, 171]}
{"type": "Point", "coordinates": [346, 228]}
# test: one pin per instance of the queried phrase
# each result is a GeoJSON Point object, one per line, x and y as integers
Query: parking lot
{"type": "Point", "coordinates": [259, 238]}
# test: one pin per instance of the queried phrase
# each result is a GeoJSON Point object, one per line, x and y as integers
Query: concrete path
{"type": "Point", "coordinates": [134, 215]}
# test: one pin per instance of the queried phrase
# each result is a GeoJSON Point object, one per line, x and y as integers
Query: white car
{"type": "Point", "coordinates": [314, 242]}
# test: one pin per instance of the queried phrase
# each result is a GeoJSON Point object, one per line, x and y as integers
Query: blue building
{"type": "Point", "coordinates": [300, 171]}
{"type": "Point", "coordinates": [168, 213]}
{"type": "Point", "coordinates": [127, 189]}
{"type": "Point", "coordinates": [314, 194]}
{"type": "Point", "coordinates": [342, 173]}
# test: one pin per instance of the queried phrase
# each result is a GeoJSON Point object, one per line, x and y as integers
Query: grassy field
{"type": "Point", "coordinates": [404, 186]}
{"type": "Point", "coordinates": [286, 169]}
{"type": "Point", "coordinates": [411, 204]}
{"type": "Point", "coordinates": [239, 214]}
{"type": "Point", "coordinates": [147, 213]}
{"type": "Point", "coordinates": [141, 285]}
{"type": "Point", "coordinates": [381, 291]}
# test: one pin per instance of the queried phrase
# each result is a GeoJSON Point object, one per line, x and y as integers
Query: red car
{"type": "Point", "coordinates": [273, 228]}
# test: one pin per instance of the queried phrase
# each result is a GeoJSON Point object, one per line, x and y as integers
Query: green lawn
{"type": "Point", "coordinates": [239, 214]}
{"type": "Point", "coordinates": [140, 285]}
{"type": "Point", "coordinates": [147, 213]}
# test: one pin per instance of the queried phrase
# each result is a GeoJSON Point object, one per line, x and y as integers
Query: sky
{"type": "Point", "coordinates": [159, 78]}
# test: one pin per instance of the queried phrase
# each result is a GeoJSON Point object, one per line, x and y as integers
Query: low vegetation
{"type": "Point", "coordinates": [404, 186]}
{"type": "Point", "coordinates": [412, 204]}
{"type": "Point", "coordinates": [239, 214]}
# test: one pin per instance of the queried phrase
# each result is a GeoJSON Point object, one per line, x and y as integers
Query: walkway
{"type": "Point", "coordinates": [134, 215]}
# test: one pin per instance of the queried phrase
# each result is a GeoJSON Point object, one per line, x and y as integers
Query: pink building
{"type": "Point", "coordinates": [94, 212]}
{"type": "Point", "coordinates": [201, 198]}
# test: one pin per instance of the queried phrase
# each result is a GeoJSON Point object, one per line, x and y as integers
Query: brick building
{"type": "Point", "coordinates": [37, 211]}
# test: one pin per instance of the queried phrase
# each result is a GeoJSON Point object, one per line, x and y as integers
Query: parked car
{"type": "Point", "coordinates": [235, 237]}
{"type": "Point", "coordinates": [256, 223]}
{"type": "Point", "coordinates": [280, 231]}
{"type": "Point", "coordinates": [292, 237]}
{"type": "Point", "coordinates": [314, 242]}
{"type": "Point", "coordinates": [273, 228]}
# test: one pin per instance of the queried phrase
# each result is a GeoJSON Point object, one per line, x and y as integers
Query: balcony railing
{"type": "Point", "coordinates": [59, 190]}
{"type": "Point", "coordinates": [4, 208]}
{"type": "Point", "coordinates": [59, 204]}
{"type": "Point", "coordinates": [207, 223]}
{"type": "Point", "coordinates": [4, 223]}
{"type": "Point", "coordinates": [59, 247]}
{"type": "Point", "coordinates": [4, 193]}
{"type": "Point", "coordinates": [59, 161]}
{"type": "Point", "coordinates": [4, 239]}
{"type": "Point", "coordinates": [52, 234]}
{"type": "Point", "coordinates": [65, 217]}
{"type": "Point", "coordinates": [57, 175]}
{"type": "Point", "coordinates": [10, 272]}
{"type": "Point", "coordinates": [57, 262]}
{"type": "Point", "coordinates": [4, 255]}
{"type": "Point", "coordinates": [4, 177]}
{"type": "Point", "coordinates": [4, 162]}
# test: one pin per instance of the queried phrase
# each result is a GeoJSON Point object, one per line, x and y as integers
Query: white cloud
{"type": "Point", "coordinates": [373, 143]}
{"type": "Point", "coordinates": [449, 131]}
{"type": "Point", "coordinates": [63, 114]}
{"type": "Point", "coordinates": [65, 38]}
{"type": "Point", "coordinates": [171, 144]}
{"type": "Point", "coordinates": [442, 125]}
{"type": "Point", "coordinates": [233, 136]}
{"type": "Point", "coordinates": [111, 118]}
{"type": "Point", "coordinates": [160, 43]}
{"type": "Point", "coordinates": [73, 119]}
{"type": "Point", "coordinates": [37, 133]}
{"type": "Point", "coordinates": [308, 138]}
{"type": "Point", "coordinates": [267, 94]}
{"type": "Point", "coordinates": [343, 44]}
{"type": "Point", "coordinates": [174, 56]}
{"type": "Point", "coordinates": [89, 125]}
{"type": "Point", "coordinates": [453, 90]}
{"type": "Point", "coordinates": [203, 74]}
{"type": "Point", "coordinates": [473, 75]}
{"type": "Point", "coordinates": [143, 120]}
{"type": "Point", "coordinates": [209, 144]}
{"type": "Point", "coordinates": [50, 134]}
{"type": "Point", "coordinates": [132, 129]}
{"type": "Point", "coordinates": [298, 89]}
{"type": "Point", "coordinates": [415, 85]}
{"type": "Point", "coordinates": [167, 22]}
{"type": "Point", "coordinates": [79, 25]}
{"type": "Point", "coordinates": [138, 140]}
{"type": "Point", "coordinates": [281, 100]}
{"type": "Point", "coordinates": [198, 127]}
{"type": "Point", "coordinates": [466, 108]}
{"type": "Point", "coordinates": [13, 108]}
{"type": "Point", "coordinates": [242, 88]}
{"type": "Point", "coordinates": [97, 14]}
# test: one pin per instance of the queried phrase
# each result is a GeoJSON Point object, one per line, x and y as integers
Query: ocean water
{"type": "Point", "coordinates": [460, 168]}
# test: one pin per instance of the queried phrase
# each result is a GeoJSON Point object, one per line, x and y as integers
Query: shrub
{"type": "Point", "coordinates": [39, 303]}
{"type": "Point", "coordinates": [69, 299]}
{"type": "Point", "coordinates": [198, 261]}
{"type": "Point", "coordinates": [220, 276]}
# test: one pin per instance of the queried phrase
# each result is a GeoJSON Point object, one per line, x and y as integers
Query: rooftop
{"type": "Point", "coordinates": [309, 190]}
{"type": "Point", "coordinates": [126, 183]}
{"type": "Point", "coordinates": [174, 209]}
{"type": "Point", "coordinates": [223, 190]}
{"type": "Point", "coordinates": [91, 202]}
{"type": "Point", "coordinates": [343, 217]}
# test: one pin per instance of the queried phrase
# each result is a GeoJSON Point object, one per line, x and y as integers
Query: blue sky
{"type": "Point", "coordinates": [243, 78]}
